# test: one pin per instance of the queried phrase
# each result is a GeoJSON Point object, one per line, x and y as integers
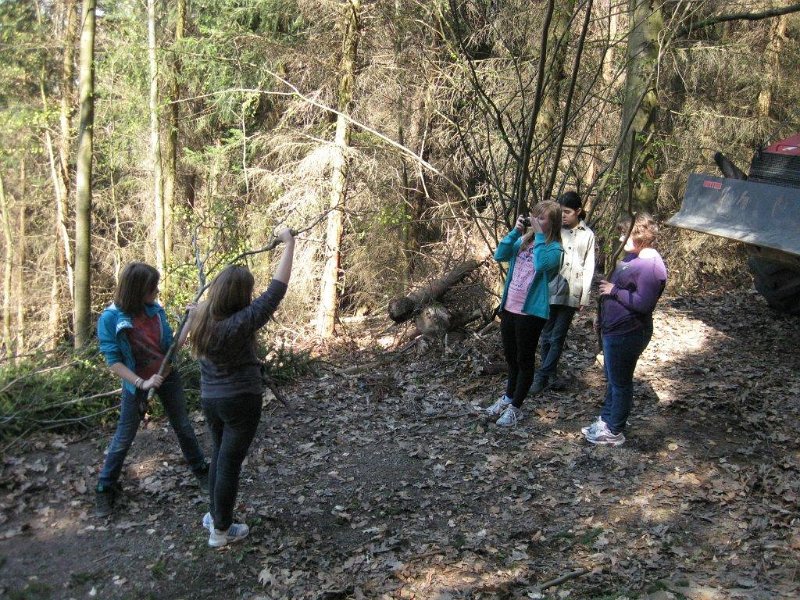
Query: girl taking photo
{"type": "Point", "coordinates": [534, 257]}
{"type": "Point", "coordinates": [223, 336]}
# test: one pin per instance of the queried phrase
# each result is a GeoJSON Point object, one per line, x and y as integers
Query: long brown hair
{"type": "Point", "coordinates": [553, 211]}
{"type": "Point", "coordinates": [137, 280]}
{"type": "Point", "coordinates": [230, 292]}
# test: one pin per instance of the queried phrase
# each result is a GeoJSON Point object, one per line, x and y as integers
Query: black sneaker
{"type": "Point", "coordinates": [538, 386]}
{"type": "Point", "coordinates": [202, 477]}
{"type": "Point", "coordinates": [104, 497]}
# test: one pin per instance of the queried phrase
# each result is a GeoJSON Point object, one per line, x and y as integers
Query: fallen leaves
{"type": "Point", "coordinates": [389, 483]}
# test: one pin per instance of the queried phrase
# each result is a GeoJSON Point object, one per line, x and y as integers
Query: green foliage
{"type": "Point", "coordinates": [280, 19]}
{"type": "Point", "coordinates": [159, 569]}
{"type": "Point", "coordinates": [393, 216]}
{"type": "Point", "coordinates": [33, 590]}
{"type": "Point", "coordinates": [285, 364]}
{"type": "Point", "coordinates": [54, 391]}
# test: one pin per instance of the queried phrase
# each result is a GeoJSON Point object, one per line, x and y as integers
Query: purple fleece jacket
{"type": "Point", "coordinates": [638, 284]}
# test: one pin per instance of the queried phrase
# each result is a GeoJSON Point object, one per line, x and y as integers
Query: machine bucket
{"type": "Point", "coordinates": [755, 213]}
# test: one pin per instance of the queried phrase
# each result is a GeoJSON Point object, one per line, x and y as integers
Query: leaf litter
{"type": "Point", "coordinates": [386, 481]}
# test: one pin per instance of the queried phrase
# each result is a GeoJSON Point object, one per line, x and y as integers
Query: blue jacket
{"type": "Point", "coordinates": [546, 261]}
{"type": "Point", "coordinates": [114, 344]}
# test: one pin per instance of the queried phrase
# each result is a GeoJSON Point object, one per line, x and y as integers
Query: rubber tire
{"type": "Point", "coordinates": [778, 283]}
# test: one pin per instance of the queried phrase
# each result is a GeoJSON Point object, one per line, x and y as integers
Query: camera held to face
{"type": "Point", "coordinates": [526, 221]}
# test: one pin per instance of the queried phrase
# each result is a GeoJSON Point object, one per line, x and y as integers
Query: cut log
{"type": "Point", "coordinates": [405, 307]}
{"type": "Point", "coordinates": [433, 321]}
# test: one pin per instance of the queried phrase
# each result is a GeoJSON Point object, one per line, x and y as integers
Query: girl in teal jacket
{"type": "Point", "coordinates": [534, 257]}
{"type": "Point", "coordinates": [134, 337]}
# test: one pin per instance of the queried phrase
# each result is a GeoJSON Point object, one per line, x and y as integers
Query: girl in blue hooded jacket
{"type": "Point", "coordinates": [134, 337]}
{"type": "Point", "coordinates": [534, 257]}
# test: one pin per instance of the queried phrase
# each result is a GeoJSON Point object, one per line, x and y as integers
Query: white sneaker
{"type": "Point", "coordinates": [602, 436]}
{"type": "Point", "coordinates": [499, 406]}
{"type": "Point", "coordinates": [208, 521]}
{"type": "Point", "coordinates": [510, 417]}
{"type": "Point", "coordinates": [592, 429]}
{"type": "Point", "coordinates": [236, 532]}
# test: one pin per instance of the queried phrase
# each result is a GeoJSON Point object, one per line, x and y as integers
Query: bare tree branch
{"type": "Point", "coordinates": [767, 14]}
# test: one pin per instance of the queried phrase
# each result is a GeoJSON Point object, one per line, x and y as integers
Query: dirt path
{"type": "Point", "coordinates": [389, 484]}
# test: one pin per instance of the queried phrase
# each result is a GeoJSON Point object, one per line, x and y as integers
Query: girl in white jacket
{"type": "Point", "coordinates": [569, 291]}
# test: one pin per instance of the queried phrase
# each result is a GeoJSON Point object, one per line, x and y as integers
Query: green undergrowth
{"type": "Point", "coordinates": [285, 365]}
{"type": "Point", "coordinates": [68, 390]}
{"type": "Point", "coordinates": [58, 390]}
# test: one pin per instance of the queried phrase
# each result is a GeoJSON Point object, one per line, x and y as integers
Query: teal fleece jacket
{"type": "Point", "coordinates": [546, 261]}
{"type": "Point", "coordinates": [112, 329]}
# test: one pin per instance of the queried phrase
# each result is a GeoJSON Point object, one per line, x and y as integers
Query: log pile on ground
{"type": "Point", "coordinates": [432, 317]}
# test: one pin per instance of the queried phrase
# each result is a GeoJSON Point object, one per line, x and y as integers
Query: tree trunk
{"type": "Point", "coordinates": [20, 260]}
{"type": "Point", "coordinates": [8, 257]}
{"type": "Point", "coordinates": [155, 141]}
{"type": "Point", "coordinates": [329, 296]}
{"type": "Point", "coordinates": [772, 66]}
{"type": "Point", "coordinates": [400, 116]}
{"type": "Point", "coordinates": [83, 196]}
{"type": "Point", "coordinates": [171, 146]}
{"type": "Point", "coordinates": [60, 175]}
{"type": "Point", "coordinates": [609, 71]}
{"type": "Point", "coordinates": [640, 101]}
{"type": "Point", "coordinates": [560, 34]}
{"type": "Point", "coordinates": [54, 322]}
{"type": "Point", "coordinates": [522, 175]}
{"type": "Point", "coordinates": [63, 171]}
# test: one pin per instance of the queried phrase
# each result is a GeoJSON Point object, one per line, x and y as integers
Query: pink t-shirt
{"type": "Point", "coordinates": [521, 280]}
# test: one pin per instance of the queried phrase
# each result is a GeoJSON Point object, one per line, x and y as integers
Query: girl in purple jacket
{"type": "Point", "coordinates": [626, 324]}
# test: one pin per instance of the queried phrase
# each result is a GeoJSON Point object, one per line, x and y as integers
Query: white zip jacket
{"type": "Point", "coordinates": [573, 283]}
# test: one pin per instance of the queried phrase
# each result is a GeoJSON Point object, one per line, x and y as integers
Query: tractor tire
{"type": "Point", "coordinates": [778, 283]}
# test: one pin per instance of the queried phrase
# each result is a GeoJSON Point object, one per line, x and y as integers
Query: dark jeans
{"type": "Point", "coordinates": [620, 355]}
{"type": "Point", "coordinates": [553, 337]}
{"type": "Point", "coordinates": [171, 395]}
{"type": "Point", "coordinates": [233, 423]}
{"type": "Point", "coordinates": [520, 335]}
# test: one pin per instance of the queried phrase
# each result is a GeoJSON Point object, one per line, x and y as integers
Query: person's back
{"type": "Point", "coordinates": [230, 363]}
{"type": "Point", "coordinates": [223, 337]}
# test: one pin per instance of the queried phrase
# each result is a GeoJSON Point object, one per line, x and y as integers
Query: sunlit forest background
{"type": "Point", "coordinates": [399, 138]}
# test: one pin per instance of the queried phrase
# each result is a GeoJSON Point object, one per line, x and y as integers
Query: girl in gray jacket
{"type": "Point", "coordinates": [223, 336]}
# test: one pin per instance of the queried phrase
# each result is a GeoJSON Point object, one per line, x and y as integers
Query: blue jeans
{"type": "Point", "coordinates": [620, 354]}
{"type": "Point", "coordinates": [171, 395]}
{"type": "Point", "coordinates": [233, 423]}
{"type": "Point", "coordinates": [553, 337]}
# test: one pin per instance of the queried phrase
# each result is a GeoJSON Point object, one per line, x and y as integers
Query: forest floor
{"type": "Point", "coordinates": [385, 481]}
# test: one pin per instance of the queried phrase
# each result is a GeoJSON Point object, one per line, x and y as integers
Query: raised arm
{"type": "Point", "coordinates": [284, 270]}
